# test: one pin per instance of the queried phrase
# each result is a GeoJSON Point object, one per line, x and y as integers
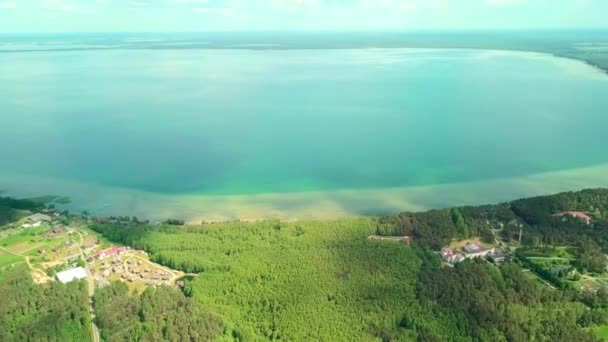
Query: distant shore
{"type": "Point", "coordinates": [604, 69]}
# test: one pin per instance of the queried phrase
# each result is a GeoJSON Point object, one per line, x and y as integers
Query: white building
{"type": "Point", "coordinates": [474, 250]}
{"type": "Point", "coordinates": [71, 275]}
{"type": "Point", "coordinates": [38, 218]}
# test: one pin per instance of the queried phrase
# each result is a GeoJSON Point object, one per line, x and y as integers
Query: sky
{"type": "Point", "coordinates": [238, 15]}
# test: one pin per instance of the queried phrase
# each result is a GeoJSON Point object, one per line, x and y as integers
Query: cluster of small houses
{"type": "Point", "coordinates": [471, 251]}
{"type": "Point", "coordinates": [36, 220]}
{"type": "Point", "coordinates": [131, 271]}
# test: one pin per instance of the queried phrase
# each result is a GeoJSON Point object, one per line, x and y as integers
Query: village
{"type": "Point", "coordinates": [58, 247]}
{"type": "Point", "coordinates": [131, 266]}
{"type": "Point", "coordinates": [54, 248]}
{"type": "Point", "coordinates": [471, 250]}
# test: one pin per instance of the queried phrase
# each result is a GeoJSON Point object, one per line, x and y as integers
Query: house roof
{"type": "Point", "coordinates": [38, 217]}
{"type": "Point", "coordinates": [578, 214]}
{"type": "Point", "coordinates": [71, 275]}
{"type": "Point", "coordinates": [472, 247]}
{"type": "Point", "coordinates": [111, 251]}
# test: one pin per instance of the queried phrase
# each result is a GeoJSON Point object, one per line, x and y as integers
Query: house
{"type": "Point", "coordinates": [474, 250]}
{"type": "Point", "coordinates": [38, 218]}
{"type": "Point", "coordinates": [472, 247]}
{"type": "Point", "coordinates": [54, 231]}
{"type": "Point", "coordinates": [71, 275]}
{"type": "Point", "coordinates": [576, 214]}
{"type": "Point", "coordinates": [58, 229]}
{"type": "Point", "coordinates": [497, 257]}
{"type": "Point", "coordinates": [112, 251]}
{"type": "Point", "coordinates": [456, 258]}
{"type": "Point", "coordinates": [31, 225]}
{"type": "Point", "coordinates": [447, 254]}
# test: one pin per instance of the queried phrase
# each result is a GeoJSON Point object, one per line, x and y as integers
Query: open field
{"type": "Point", "coordinates": [7, 259]}
{"type": "Point", "coordinates": [593, 283]}
{"type": "Point", "coordinates": [461, 243]}
{"type": "Point", "coordinates": [562, 252]}
{"type": "Point", "coordinates": [29, 235]}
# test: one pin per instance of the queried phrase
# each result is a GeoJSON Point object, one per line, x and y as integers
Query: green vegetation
{"type": "Point", "coordinates": [12, 210]}
{"type": "Point", "coordinates": [491, 304]}
{"type": "Point", "coordinates": [50, 312]}
{"type": "Point", "coordinates": [7, 259]}
{"type": "Point", "coordinates": [602, 332]}
{"type": "Point", "coordinates": [271, 280]}
{"type": "Point", "coordinates": [325, 280]}
{"type": "Point", "coordinates": [161, 314]}
{"type": "Point", "coordinates": [535, 217]}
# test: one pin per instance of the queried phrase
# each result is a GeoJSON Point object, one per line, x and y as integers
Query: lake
{"type": "Point", "coordinates": [316, 133]}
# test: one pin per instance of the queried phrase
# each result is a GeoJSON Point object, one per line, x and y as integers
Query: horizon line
{"type": "Point", "coordinates": [386, 30]}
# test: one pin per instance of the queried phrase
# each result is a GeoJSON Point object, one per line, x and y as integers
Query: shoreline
{"type": "Point", "coordinates": [600, 68]}
{"type": "Point", "coordinates": [320, 205]}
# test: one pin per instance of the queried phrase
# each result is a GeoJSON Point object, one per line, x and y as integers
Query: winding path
{"type": "Point", "coordinates": [31, 267]}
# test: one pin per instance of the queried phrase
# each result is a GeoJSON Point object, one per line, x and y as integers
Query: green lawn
{"type": "Point", "coordinates": [7, 259]}
{"type": "Point", "coordinates": [535, 278]}
{"type": "Point", "coordinates": [31, 235]}
{"type": "Point", "coordinates": [602, 332]}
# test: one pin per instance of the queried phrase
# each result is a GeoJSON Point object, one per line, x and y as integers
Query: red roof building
{"type": "Point", "coordinates": [577, 214]}
{"type": "Point", "coordinates": [112, 251]}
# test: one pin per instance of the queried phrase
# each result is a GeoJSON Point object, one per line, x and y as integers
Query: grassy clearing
{"type": "Point", "coordinates": [24, 241]}
{"type": "Point", "coordinates": [562, 252]}
{"type": "Point", "coordinates": [461, 243]}
{"type": "Point", "coordinates": [7, 259]}
{"type": "Point", "coordinates": [535, 278]}
{"type": "Point", "coordinates": [602, 332]}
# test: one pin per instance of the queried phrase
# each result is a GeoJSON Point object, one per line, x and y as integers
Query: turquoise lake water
{"type": "Point", "coordinates": [217, 123]}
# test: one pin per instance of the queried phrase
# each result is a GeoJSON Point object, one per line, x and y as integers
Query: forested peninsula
{"type": "Point", "coordinates": [530, 269]}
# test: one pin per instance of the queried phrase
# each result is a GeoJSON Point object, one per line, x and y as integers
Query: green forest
{"type": "Point", "coordinates": [49, 312]}
{"type": "Point", "coordinates": [161, 314]}
{"type": "Point", "coordinates": [535, 217]}
{"type": "Point", "coordinates": [12, 209]}
{"type": "Point", "coordinates": [326, 280]}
